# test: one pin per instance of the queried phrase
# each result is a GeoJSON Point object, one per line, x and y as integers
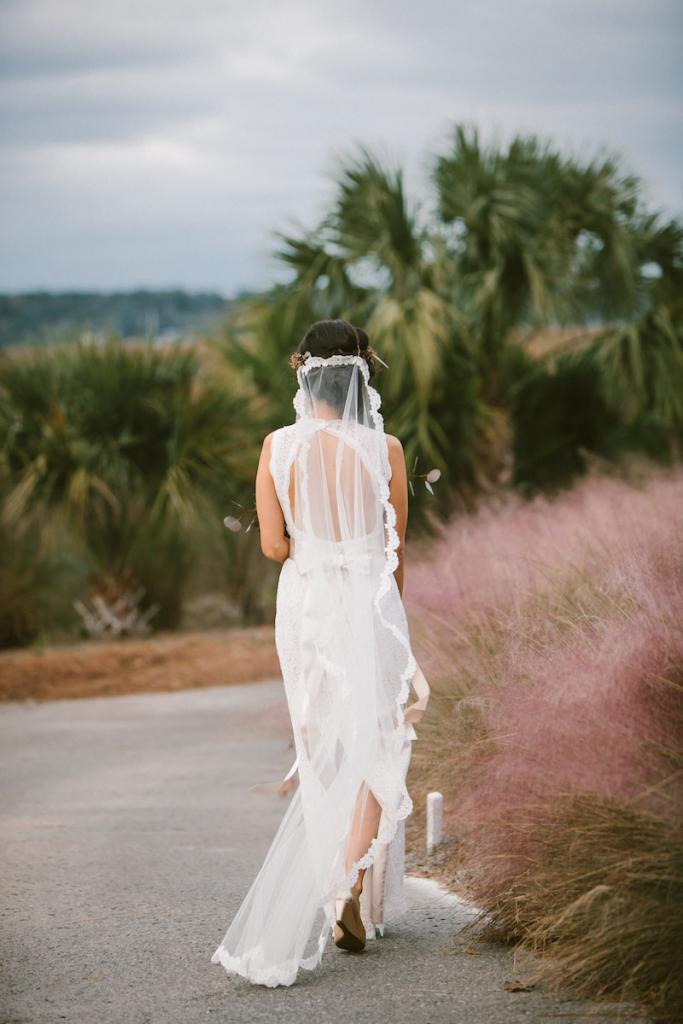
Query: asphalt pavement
{"type": "Point", "coordinates": [129, 836]}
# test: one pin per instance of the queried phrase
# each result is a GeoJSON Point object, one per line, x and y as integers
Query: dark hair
{"type": "Point", "coordinates": [334, 337]}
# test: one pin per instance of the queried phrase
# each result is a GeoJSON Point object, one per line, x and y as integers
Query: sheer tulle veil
{"type": "Point", "coordinates": [347, 667]}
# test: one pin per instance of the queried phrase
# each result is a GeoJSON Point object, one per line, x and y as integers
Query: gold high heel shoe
{"type": "Point", "coordinates": [349, 931]}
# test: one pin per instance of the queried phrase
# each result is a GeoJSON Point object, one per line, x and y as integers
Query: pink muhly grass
{"type": "Point", "coordinates": [505, 551]}
{"type": "Point", "coordinates": [552, 634]}
{"type": "Point", "coordinates": [566, 644]}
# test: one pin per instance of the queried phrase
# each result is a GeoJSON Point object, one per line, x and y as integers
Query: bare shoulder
{"type": "Point", "coordinates": [266, 449]}
{"type": "Point", "coordinates": [268, 439]}
{"type": "Point", "coordinates": [394, 445]}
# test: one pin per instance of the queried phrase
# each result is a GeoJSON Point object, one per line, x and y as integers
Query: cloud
{"type": "Point", "coordinates": [127, 126]}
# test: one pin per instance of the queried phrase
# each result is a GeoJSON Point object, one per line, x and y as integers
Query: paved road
{"type": "Point", "coordinates": [129, 837]}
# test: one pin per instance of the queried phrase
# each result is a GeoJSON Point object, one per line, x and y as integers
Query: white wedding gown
{"type": "Point", "coordinates": [347, 664]}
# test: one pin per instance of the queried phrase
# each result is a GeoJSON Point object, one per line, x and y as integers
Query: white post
{"type": "Point", "coordinates": [434, 820]}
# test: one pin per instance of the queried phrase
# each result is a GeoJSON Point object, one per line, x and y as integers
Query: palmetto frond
{"type": "Point", "coordinates": [539, 237]}
{"type": "Point", "coordinates": [413, 335]}
{"type": "Point", "coordinates": [372, 216]}
{"type": "Point", "coordinates": [642, 365]}
{"type": "Point", "coordinates": [128, 445]}
{"type": "Point", "coordinates": [320, 272]}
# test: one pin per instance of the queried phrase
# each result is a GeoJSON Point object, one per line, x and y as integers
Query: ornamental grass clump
{"type": "Point", "coordinates": [553, 635]}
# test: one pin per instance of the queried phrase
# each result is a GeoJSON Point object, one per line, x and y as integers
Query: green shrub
{"type": "Point", "coordinates": [135, 449]}
{"type": "Point", "coordinates": [558, 414]}
{"type": "Point", "coordinates": [563, 412]}
{"type": "Point", "coordinates": [40, 576]}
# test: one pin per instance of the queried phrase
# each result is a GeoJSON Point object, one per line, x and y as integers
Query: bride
{"type": "Point", "coordinates": [331, 499]}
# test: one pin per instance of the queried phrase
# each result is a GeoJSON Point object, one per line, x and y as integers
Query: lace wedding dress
{"type": "Point", "coordinates": [347, 664]}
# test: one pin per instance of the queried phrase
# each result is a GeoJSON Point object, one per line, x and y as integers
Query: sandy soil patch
{"type": "Point", "coordinates": [161, 662]}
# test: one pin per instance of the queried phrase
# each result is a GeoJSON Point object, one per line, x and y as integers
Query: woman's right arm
{"type": "Point", "coordinates": [274, 543]}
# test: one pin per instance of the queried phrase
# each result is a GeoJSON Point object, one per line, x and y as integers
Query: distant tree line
{"type": "Point", "coordinates": [37, 316]}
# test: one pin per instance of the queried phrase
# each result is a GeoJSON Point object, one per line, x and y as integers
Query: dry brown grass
{"type": "Point", "coordinates": [597, 889]}
{"type": "Point", "coordinates": [160, 663]}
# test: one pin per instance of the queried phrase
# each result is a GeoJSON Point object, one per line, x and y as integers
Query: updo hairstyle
{"type": "Point", "coordinates": [334, 337]}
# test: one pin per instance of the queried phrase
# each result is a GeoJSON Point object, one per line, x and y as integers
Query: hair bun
{"type": "Point", "coordinates": [363, 340]}
{"type": "Point", "coordinates": [334, 337]}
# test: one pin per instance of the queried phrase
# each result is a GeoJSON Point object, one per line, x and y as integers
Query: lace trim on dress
{"type": "Point", "coordinates": [402, 732]}
{"type": "Point", "coordinates": [285, 974]}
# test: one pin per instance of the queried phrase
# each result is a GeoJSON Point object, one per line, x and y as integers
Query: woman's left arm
{"type": "Point", "coordinates": [274, 543]}
{"type": "Point", "coordinates": [398, 495]}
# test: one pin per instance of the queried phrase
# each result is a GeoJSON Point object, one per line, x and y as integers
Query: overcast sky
{"type": "Point", "coordinates": [159, 143]}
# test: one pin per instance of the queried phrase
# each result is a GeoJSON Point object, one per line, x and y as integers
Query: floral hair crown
{"type": "Point", "coordinates": [299, 359]}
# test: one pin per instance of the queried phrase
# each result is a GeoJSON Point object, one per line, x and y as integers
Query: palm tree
{"type": "Point", "coordinates": [518, 238]}
{"type": "Point", "coordinates": [371, 261]}
{"type": "Point", "coordinates": [536, 237]}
